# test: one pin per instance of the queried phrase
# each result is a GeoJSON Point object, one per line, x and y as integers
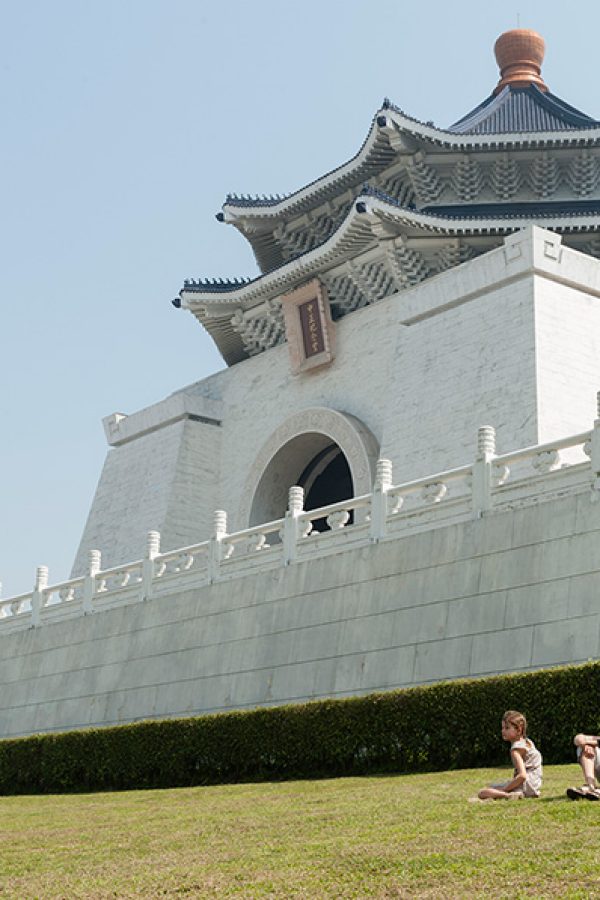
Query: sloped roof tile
{"type": "Point", "coordinates": [516, 110]}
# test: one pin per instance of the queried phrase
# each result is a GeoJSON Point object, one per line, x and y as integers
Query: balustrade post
{"type": "Point", "coordinates": [37, 599]}
{"type": "Point", "coordinates": [290, 524]}
{"type": "Point", "coordinates": [595, 455]}
{"type": "Point", "coordinates": [152, 551]}
{"type": "Point", "coordinates": [215, 550]}
{"type": "Point", "coordinates": [379, 506]}
{"type": "Point", "coordinates": [89, 584]}
{"type": "Point", "coordinates": [482, 471]}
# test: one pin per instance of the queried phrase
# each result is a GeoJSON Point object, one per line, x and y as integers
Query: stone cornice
{"type": "Point", "coordinates": [120, 428]}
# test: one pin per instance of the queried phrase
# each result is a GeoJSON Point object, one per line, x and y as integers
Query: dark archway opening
{"type": "Point", "coordinates": [326, 479]}
{"type": "Point", "coordinates": [311, 460]}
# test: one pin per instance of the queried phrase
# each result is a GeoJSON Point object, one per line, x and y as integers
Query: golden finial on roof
{"type": "Point", "coordinates": [519, 54]}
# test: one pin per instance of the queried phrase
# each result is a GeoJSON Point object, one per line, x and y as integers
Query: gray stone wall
{"type": "Point", "coordinates": [514, 590]}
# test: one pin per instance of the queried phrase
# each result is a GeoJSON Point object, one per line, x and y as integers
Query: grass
{"type": "Point", "coordinates": [387, 837]}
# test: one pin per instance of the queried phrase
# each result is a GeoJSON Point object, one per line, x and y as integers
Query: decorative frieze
{"type": "Point", "coordinates": [344, 295]}
{"type": "Point", "coordinates": [399, 267]}
{"type": "Point", "coordinates": [428, 179]}
{"type": "Point", "coordinates": [453, 254]}
{"type": "Point", "coordinates": [392, 261]}
{"type": "Point", "coordinates": [260, 329]}
{"type": "Point", "coordinates": [505, 177]}
{"type": "Point", "coordinates": [412, 267]}
{"type": "Point", "coordinates": [583, 173]}
{"type": "Point", "coordinates": [400, 188]}
{"type": "Point", "coordinates": [467, 178]}
{"type": "Point", "coordinates": [593, 247]}
{"type": "Point", "coordinates": [373, 279]}
{"type": "Point", "coordinates": [544, 175]}
{"type": "Point", "coordinates": [294, 242]}
{"type": "Point", "coordinates": [317, 226]}
{"type": "Point", "coordinates": [322, 224]}
{"type": "Point", "coordinates": [425, 180]}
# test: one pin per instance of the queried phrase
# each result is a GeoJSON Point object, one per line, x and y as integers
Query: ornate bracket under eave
{"type": "Point", "coordinates": [261, 327]}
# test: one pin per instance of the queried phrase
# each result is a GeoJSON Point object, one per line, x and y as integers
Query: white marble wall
{"type": "Point", "coordinates": [509, 339]}
{"type": "Point", "coordinates": [165, 480]}
{"type": "Point", "coordinates": [567, 333]}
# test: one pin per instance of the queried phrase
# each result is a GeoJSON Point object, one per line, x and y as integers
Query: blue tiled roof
{"type": "Point", "coordinates": [533, 211]}
{"type": "Point", "coordinates": [214, 285]}
{"type": "Point", "coordinates": [504, 210]}
{"type": "Point", "coordinates": [369, 190]}
{"type": "Point", "coordinates": [522, 109]}
{"type": "Point", "coordinates": [255, 200]}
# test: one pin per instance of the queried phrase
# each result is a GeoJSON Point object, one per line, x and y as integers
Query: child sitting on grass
{"type": "Point", "coordinates": [526, 759]}
{"type": "Point", "coordinates": [588, 755]}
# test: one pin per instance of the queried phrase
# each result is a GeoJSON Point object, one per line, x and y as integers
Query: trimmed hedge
{"type": "Point", "coordinates": [448, 725]}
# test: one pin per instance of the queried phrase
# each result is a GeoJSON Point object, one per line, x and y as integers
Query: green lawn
{"type": "Point", "coordinates": [403, 836]}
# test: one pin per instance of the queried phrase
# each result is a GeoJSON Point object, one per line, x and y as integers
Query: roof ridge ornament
{"type": "Point", "coordinates": [519, 54]}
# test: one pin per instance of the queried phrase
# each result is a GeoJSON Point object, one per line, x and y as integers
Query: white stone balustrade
{"type": "Point", "coordinates": [482, 470]}
{"type": "Point", "coordinates": [62, 593]}
{"type": "Point", "coordinates": [250, 541]}
{"type": "Point", "coordinates": [118, 578]}
{"type": "Point", "coordinates": [517, 468]}
{"type": "Point", "coordinates": [291, 523]}
{"type": "Point", "coordinates": [491, 482]}
{"type": "Point", "coordinates": [14, 607]}
{"type": "Point", "coordinates": [215, 552]}
{"type": "Point", "coordinates": [423, 493]}
{"type": "Point", "coordinates": [89, 585]}
{"type": "Point", "coordinates": [37, 598]}
{"type": "Point", "coordinates": [152, 551]}
{"type": "Point", "coordinates": [379, 499]}
{"type": "Point", "coordinates": [336, 515]}
{"type": "Point", "coordinates": [180, 561]}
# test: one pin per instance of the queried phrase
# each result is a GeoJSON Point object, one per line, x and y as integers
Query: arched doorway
{"type": "Point", "coordinates": [314, 462]}
{"type": "Point", "coordinates": [326, 479]}
{"type": "Point", "coordinates": [331, 454]}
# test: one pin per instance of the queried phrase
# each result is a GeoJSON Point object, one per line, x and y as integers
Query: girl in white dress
{"type": "Point", "coordinates": [526, 759]}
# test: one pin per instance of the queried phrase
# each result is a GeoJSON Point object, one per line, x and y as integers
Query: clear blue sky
{"type": "Point", "coordinates": [124, 125]}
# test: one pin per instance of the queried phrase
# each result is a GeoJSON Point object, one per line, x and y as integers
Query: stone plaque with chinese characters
{"type": "Point", "coordinates": [312, 328]}
{"type": "Point", "coordinates": [309, 327]}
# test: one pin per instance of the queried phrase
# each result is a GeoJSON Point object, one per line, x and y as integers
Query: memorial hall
{"type": "Point", "coordinates": [396, 478]}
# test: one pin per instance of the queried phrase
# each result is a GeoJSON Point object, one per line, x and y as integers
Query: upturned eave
{"type": "Point", "coordinates": [363, 227]}
{"type": "Point", "coordinates": [392, 134]}
{"type": "Point", "coordinates": [393, 127]}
